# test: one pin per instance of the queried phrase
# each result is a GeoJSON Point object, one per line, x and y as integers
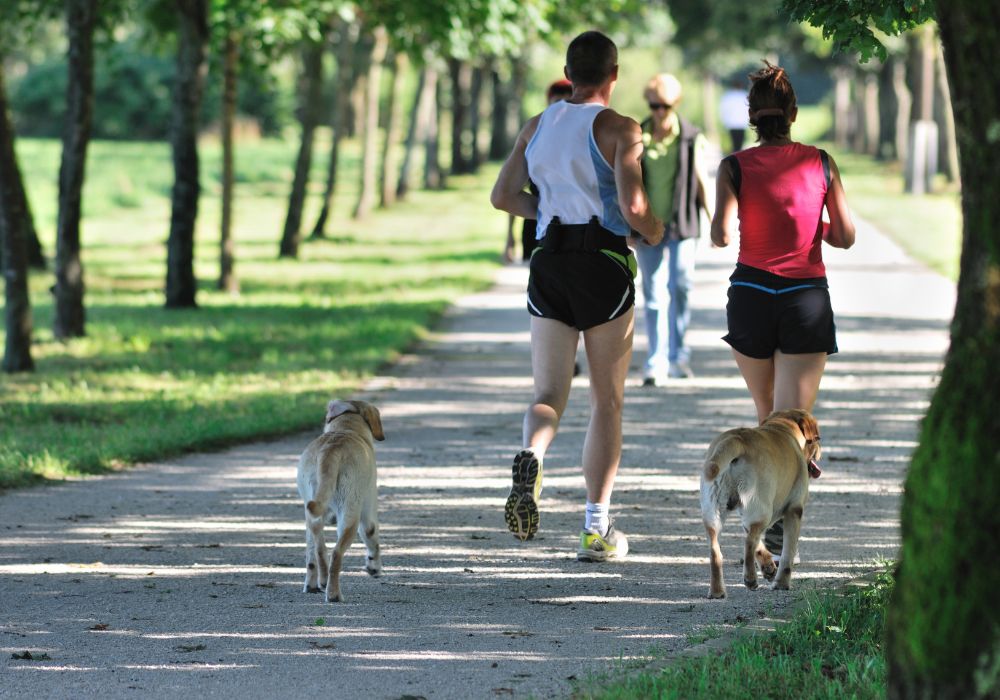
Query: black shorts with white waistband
{"type": "Point", "coordinates": [581, 288]}
{"type": "Point", "coordinates": [767, 312]}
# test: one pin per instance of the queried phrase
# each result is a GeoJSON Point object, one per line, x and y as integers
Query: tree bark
{"type": "Point", "coordinates": [311, 97]}
{"type": "Point", "coordinates": [369, 155]}
{"type": "Point", "coordinates": [476, 156]}
{"type": "Point", "coordinates": [501, 141]}
{"type": "Point", "coordinates": [192, 37]}
{"type": "Point", "coordinates": [841, 108]}
{"type": "Point", "coordinates": [461, 79]}
{"type": "Point", "coordinates": [943, 621]}
{"type": "Point", "coordinates": [433, 174]}
{"type": "Point", "coordinates": [949, 144]}
{"type": "Point", "coordinates": [418, 125]}
{"type": "Point", "coordinates": [340, 119]}
{"type": "Point", "coordinates": [13, 250]}
{"type": "Point", "coordinates": [36, 254]}
{"type": "Point", "coordinates": [904, 100]}
{"type": "Point", "coordinates": [390, 149]}
{"type": "Point", "coordinates": [69, 318]}
{"type": "Point", "coordinates": [227, 254]}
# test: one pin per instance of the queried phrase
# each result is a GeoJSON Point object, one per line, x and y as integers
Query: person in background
{"type": "Point", "coordinates": [558, 90]}
{"type": "Point", "coordinates": [780, 320]}
{"type": "Point", "coordinates": [733, 113]}
{"type": "Point", "coordinates": [673, 173]}
{"type": "Point", "coordinates": [584, 159]}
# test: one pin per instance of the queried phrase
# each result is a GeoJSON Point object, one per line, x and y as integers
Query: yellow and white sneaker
{"type": "Point", "coordinates": [521, 510]}
{"type": "Point", "coordinates": [594, 547]}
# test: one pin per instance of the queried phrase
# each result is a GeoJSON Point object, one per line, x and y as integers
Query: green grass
{"type": "Point", "coordinates": [830, 649]}
{"type": "Point", "coordinates": [148, 382]}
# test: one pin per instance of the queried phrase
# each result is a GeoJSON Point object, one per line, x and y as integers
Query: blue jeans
{"type": "Point", "coordinates": [667, 275]}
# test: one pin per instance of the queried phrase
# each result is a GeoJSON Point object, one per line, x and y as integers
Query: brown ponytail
{"type": "Point", "coordinates": [772, 101]}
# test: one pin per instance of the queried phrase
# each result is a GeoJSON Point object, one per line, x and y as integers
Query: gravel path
{"type": "Point", "coordinates": [183, 578]}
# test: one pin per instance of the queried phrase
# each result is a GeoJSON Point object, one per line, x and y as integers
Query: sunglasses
{"type": "Point", "coordinates": [659, 105]}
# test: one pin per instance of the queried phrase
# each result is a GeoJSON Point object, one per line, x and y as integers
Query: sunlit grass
{"type": "Point", "coordinates": [830, 649]}
{"type": "Point", "coordinates": [147, 382]}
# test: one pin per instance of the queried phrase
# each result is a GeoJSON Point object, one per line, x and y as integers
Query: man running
{"type": "Point", "coordinates": [584, 159]}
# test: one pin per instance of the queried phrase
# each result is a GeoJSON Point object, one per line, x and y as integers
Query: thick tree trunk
{"type": "Point", "coordinates": [192, 37]}
{"type": "Point", "coordinates": [227, 253]}
{"type": "Point", "coordinates": [433, 174]}
{"type": "Point", "coordinates": [81, 16]}
{"type": "Point", "coordinates": [311, 97]}
{"type": "Point", "coordinates": [390, 149]}
{"type": "Point", "coordinates": [13, 250]}
{"type": "Point", "coordinates": [340, 116]}
{"type": "Point", "coordinates": [461, 79]}
{"type": "Point", "coordinates": [943, 621]}
{"type": "Point", "coordinates": [369, 153]}
{"type": "Point", "coordinates": [418, 125]}
{"type": "Point", "coordinates": [36, 254]}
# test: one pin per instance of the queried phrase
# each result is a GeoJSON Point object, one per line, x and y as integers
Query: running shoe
{"type": "Point", "coordinates": [594, 547]}
{"type": "Point", "coordinates": [521, 510]}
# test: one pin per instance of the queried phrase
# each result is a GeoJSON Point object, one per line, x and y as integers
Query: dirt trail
{"type": "Point", "coordinates": [183, 578]}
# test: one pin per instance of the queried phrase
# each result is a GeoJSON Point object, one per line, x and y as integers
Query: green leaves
{"type": "Point", "coordinates": [852, 24]}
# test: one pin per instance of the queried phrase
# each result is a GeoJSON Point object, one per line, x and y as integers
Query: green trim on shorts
{"type": "Point", "coordinates": [626, 261]}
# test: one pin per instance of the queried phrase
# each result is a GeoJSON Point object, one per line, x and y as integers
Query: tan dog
{"type": "Point", "coordinates": [337, 479]}
{"type": "Point", "coordinates": [764, 472]}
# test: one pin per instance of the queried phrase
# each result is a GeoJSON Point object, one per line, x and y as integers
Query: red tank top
{"type": "Point", "coordinates": [780, 199]}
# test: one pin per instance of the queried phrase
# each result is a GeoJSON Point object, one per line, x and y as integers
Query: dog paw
{"type": "Point", "coordinates": [338, 598]}
{"type": "Point", "coordinates": [312, 589]}
{"type": "Point", "coordinates": [751, 584]}
{"type": "Point", "coordinates": [781, 585]}
{"type": "Point", "coordinates": [716, 595]}
{"type": "Point", "coordinates": [374, 573]}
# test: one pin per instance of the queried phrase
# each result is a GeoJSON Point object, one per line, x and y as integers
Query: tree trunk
{"type": "Point", "coordinates": [841, 107]}
{"type": "Point", "coordinates": [390, 149]}
{"type": "Point", "coordinates": [433, 174]}
{"type": "Point", "coordinates": [869, 102]}
{"type": "Point", "coordinates": [904, 100]}
{"type": "Point", "coordinates": [949, 144]}
{"type": "Point", "coordinates": [13, 250]}
{"type": "Point", "coordinates": [192, 37]}
{"type": "Point", "coordinates": [36, 254]}
{"type": "Point", "coordinates": [369, 155]}
{"type": "Point", "coordinates": [461, 79]}
{"type": "Point", "coordinates": [710, 106]}
{"type": "Point", "coordinates": [942, 623]}
{"type": "Point", "coordinates": [476, 156]}
{"type": "Point", "coordinates": [311, 97]}
{"type": "Point", "coordinates": [227, 257]}
{"type": "Point", "coordinates": [68, 321]}
{"type": "Point", "coordinates": [501, 140]}
{"type": "Point", "coordinates": [340, 118]}
{"type": "Point", "coordinates": [418, 125]}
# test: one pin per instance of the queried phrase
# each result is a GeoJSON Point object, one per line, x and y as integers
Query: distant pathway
{"type": "Point", "coordinates": [183, 578]}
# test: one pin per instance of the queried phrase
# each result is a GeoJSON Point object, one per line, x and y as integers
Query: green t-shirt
{"type": "Point", "coordinates": [661, 162]}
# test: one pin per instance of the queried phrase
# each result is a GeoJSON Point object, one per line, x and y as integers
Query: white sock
{"type": "Point", "coordinates": [597, 518]}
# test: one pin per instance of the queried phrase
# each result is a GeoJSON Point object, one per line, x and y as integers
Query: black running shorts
{"type": "Point", "coordinates": [582, 289]}
{"type": "Point", "coordinates": [766, 313]}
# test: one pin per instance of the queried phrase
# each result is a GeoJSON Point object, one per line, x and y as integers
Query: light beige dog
{"type": "Point", "coordinates": [337, 478]}
{"type": "Point", "coordinates": [764, 472]}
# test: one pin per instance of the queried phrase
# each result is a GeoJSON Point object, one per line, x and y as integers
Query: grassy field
{"type": "Point", "coordinates": [147, 382]}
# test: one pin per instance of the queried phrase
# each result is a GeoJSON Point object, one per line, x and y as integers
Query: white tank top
{"type": "Point", "coordinates": [574, 180]}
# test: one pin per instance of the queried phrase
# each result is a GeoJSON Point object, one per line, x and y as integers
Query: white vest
{"type": "Point", "coordinates": [574, 180]}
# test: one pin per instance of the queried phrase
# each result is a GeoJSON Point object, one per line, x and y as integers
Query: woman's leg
{"type": "Point", "coordinates": [796, 379]}
{"type": "Point", "coordinates": [759, 376]}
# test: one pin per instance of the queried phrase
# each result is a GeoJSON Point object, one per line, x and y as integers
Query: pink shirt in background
{"type": "Point", "coordinates": [781, 197]}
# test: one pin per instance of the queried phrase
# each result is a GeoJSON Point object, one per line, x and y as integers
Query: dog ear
{"type": "Point", "coordinates": [372, 417]}
{"type": "Point", "coordinates": [338, 408]}
{"type": "Point", "coordinates": [808, 425]}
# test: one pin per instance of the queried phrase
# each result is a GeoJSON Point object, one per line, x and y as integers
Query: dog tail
{"type": "Point", "coordinates": [722, 455]}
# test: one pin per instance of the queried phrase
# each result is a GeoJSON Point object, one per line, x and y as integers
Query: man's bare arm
{"type": "Point", "coordinates": [508, 192]}
{"type": "Point", "coordinates": [632, 196]}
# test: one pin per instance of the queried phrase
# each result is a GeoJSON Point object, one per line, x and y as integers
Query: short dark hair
{"type": "Point", "coordinates": [591, 59]}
